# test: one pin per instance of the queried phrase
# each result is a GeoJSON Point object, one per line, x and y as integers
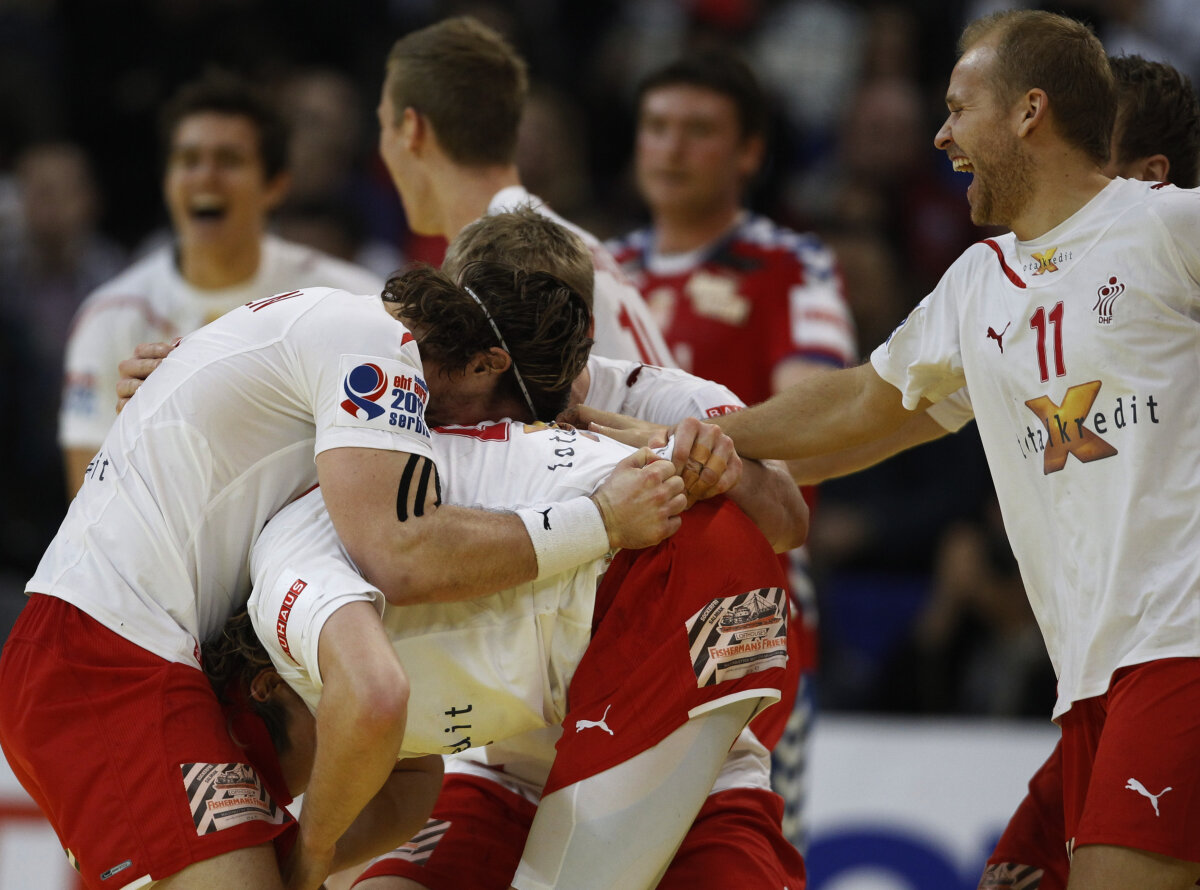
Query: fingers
{"type": "Point", "coordinates": [159, 350]}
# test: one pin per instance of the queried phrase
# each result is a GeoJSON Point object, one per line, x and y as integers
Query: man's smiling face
{"type": "Point", "coordinates": [215, 186]}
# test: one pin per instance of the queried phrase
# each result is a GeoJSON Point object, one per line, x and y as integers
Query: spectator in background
{"type": "Point", "coordinates": [226, 170]}
{"type": "Point", "coordinates": [741, 300]}
{"type": "Point", "coordinates": [333, 204]}
{"type": "Point", "coordinates": [55, 256]}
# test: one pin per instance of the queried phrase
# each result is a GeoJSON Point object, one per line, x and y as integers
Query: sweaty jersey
{"type": "Point", "coordinates": [484, 669]}
{"type": "Point", "coordinates": [156, 544]}
{"type": "Point", "coordinates": [1080, 350]}
{"type": "Point", "coordinates": [151, 301]}
{"type": "Point", "coordinates": [736, 309]}
{"type": "Point", "coordinates": [624, 327]}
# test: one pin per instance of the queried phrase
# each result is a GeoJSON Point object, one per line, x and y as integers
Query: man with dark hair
{"type": "Point", "coordinates": [1157, 134]}
{"type": "Point", "coordinates": [225, 152]}
{"type": "Point", "coordinates": [1085, 310]}
{"type": "Point", "coordinates": [723, 281]}
{"type": "Point", "coordinates": [448, 118]}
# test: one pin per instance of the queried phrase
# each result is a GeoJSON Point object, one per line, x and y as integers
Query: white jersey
{"type": "Point", "coordinates": [624, 329]}
{"type": "Point", "coordinates": [484, 669]}
{"type": "Point", "coordinates": [1081, 354]}
{"type": "Point", "coordinates": [156, 545]}
{"type": "Point", "coordinates": [151, 301]}
{"type": "Point", "coordinates": [660, 395]}
{"type": "Point", "coordinates": [953, 412]}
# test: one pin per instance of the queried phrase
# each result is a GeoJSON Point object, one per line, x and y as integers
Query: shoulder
{"type": "Point", "coordinates": [299, 265]}
{"type": "Point", "coordinates": [631, 246]}
{"type": "Point", "coordinates": [804, 250]}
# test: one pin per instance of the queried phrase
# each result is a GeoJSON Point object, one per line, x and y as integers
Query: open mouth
{"type": "Point", "coordinates": [207, 209]}
{"type": "Point", "coordinates": [962, 165]}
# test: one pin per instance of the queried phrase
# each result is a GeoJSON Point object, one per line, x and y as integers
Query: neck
{"type": "Point", "coordinates": [1060, 193]}
{"type": "Point", "coordinates": [463, 193]}
{"type": "Point", "coordinates": [683, 232]}
{"type": "Point", "coordinates": [217, 266]}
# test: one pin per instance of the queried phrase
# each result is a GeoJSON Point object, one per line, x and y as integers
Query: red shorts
{"type": "Point", "coordinates": [678, 629]}
{"type": "Point", "coordinates": [1130, 773]}
{"type": "Point", "coordinates": [476, 835]}
{"type": "Point", "coordinates": [1035, 835]}
{"type": "Point", "coordinates": [128, 755]}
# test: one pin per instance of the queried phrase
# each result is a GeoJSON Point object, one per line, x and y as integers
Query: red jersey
{"type": "Point", "coordinates": [734, 310]}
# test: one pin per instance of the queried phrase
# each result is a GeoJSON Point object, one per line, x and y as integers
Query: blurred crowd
{"type": "Point", "coordinates": [922, 606]}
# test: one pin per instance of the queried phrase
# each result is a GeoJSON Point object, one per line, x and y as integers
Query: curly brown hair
{"type": "Point", "coordinates": [231, 662]}
{"type": "Point", "coordinates": [544, 325]}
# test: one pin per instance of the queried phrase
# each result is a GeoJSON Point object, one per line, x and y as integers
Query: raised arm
{"type": "Point", "coordinates": [385, 507]}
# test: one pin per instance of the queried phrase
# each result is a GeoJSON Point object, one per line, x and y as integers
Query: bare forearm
{"type": "Point", "coordinates": [768, 496]}
{"type": "Point", "coordinates": [916, 430]}
{"type": "Point", "coordinates": [395, 814]}
{"type": "Point", "coordinates": [456, 553]}
{"type": "Point", "coordinates": [823, 413]}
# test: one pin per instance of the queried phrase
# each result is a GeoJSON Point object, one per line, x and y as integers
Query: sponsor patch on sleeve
{"type": "Point", "coordinates": [383, 394]}
{"type": "Point", "coordinates": [222, 795]}
{"type": "Point", "coordinates": [739, 635]}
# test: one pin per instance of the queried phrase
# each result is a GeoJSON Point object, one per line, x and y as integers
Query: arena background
{"type": "Point", "coordinates": [934, 687]}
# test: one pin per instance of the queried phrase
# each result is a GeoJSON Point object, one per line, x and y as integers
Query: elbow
{"type": "Point", "coordinates": [795, 529]}
{"type": "Point", "coordinates": [381, 704]}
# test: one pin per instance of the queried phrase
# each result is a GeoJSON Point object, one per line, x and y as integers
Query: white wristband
{"type": "Point", "coordinates": [565, 535]}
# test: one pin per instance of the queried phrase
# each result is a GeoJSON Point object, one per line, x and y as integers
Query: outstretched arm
{"type": "Point", "coordinates": [385, 508]}
{"type": "Point", "coordinates": [823, 413]}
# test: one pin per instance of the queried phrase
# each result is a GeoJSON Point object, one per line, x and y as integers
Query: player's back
{"type": "Point", "coordinates": [221, 436]}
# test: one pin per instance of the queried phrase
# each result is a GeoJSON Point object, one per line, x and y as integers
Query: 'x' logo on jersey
{"type": "Point", "coordinates": [1064, 424]}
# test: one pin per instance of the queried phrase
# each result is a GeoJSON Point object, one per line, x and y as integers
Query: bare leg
{"type": "Point", "coordinates": [621, 827]}
{"type": "Point", "coordinates": [1010, 876]}
{"type": "Point", "coordinates": [252, 868]}
{"type": "Point", "coordinates": [1103, 867]}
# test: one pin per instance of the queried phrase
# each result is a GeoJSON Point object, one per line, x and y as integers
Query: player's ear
{"type": "Point", "coordinates": [494, 361]}
{"type": "Point", "coordinates": [264, 683]}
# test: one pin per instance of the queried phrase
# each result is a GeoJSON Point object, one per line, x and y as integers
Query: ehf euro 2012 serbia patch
{"type": "Point", "coordinates": [382, 394]}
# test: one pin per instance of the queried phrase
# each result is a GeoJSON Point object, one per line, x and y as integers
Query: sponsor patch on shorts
{"type": "Point", "coordinates": [222, 795]}
{"type": "Point", "coordinates": [739, 635]}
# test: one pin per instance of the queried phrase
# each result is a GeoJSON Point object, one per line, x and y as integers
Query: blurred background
{"type": "Point", "coordinates": [929, 653]}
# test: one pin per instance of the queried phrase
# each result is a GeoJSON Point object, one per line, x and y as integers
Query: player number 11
{"type": "Point", "coordinates": [1038, 323]}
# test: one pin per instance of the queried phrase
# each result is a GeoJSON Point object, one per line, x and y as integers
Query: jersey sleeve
{"type": "Point", "coordinates": [819, 323]}
{"type": "Point", "coordinates": [922, 358]}
{"type": "Point", "coordinates": [363, 374]}
{"type": "Point", "coordinates": [667, 396]}
{"type": "Point", "coordinates": [953, 412]}
{"type": "Point", "coordinates": [301, 577]}
{"type": "Point", "coordinates": [105, 332]}
{"type": "Point", "coordinates": [1179, 211]}
{"type": "Point", "coordinates": [624, 326]}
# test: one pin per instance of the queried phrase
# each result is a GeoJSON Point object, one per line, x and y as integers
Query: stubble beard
{"type": "Point", "coordinates": [1006, 188]}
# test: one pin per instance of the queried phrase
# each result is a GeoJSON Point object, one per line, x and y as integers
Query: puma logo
{"type": "Point", "coordinates": [1135, 785]}
{"type": "Point", "coordinates": [581, 725]}
{"type": "Point", "coordinates": [999, 338]}
{"type": "Point", "coordinates": [546, 518]}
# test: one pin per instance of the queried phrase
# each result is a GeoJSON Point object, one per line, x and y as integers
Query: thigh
{"type": "Point", "coordinates": [472, 841]}
{"type": "Point", "coordinates": [736, 841]}
{"type": "Point", "coordinates": [1131, 775]}
{"type": "Point", "coordinates": [159, 785]}
{"type": "Point", "coordinates": [1034, 845]}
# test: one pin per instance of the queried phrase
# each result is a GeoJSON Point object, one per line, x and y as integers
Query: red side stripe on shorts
{"type": "Point", "coordinates": [1012, 276]}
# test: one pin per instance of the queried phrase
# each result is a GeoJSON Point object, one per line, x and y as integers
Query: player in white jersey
{"type": "Point", "coordinates": [1077, 336]}
{"type": "Point", "coordinates": [152, 557]}
{"type": "Point", "coordinates": [448, 117]}
{"type": "Point", "coordinates": [225, 172]}
{"type": "Point", "coordinates": [486, 670]}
